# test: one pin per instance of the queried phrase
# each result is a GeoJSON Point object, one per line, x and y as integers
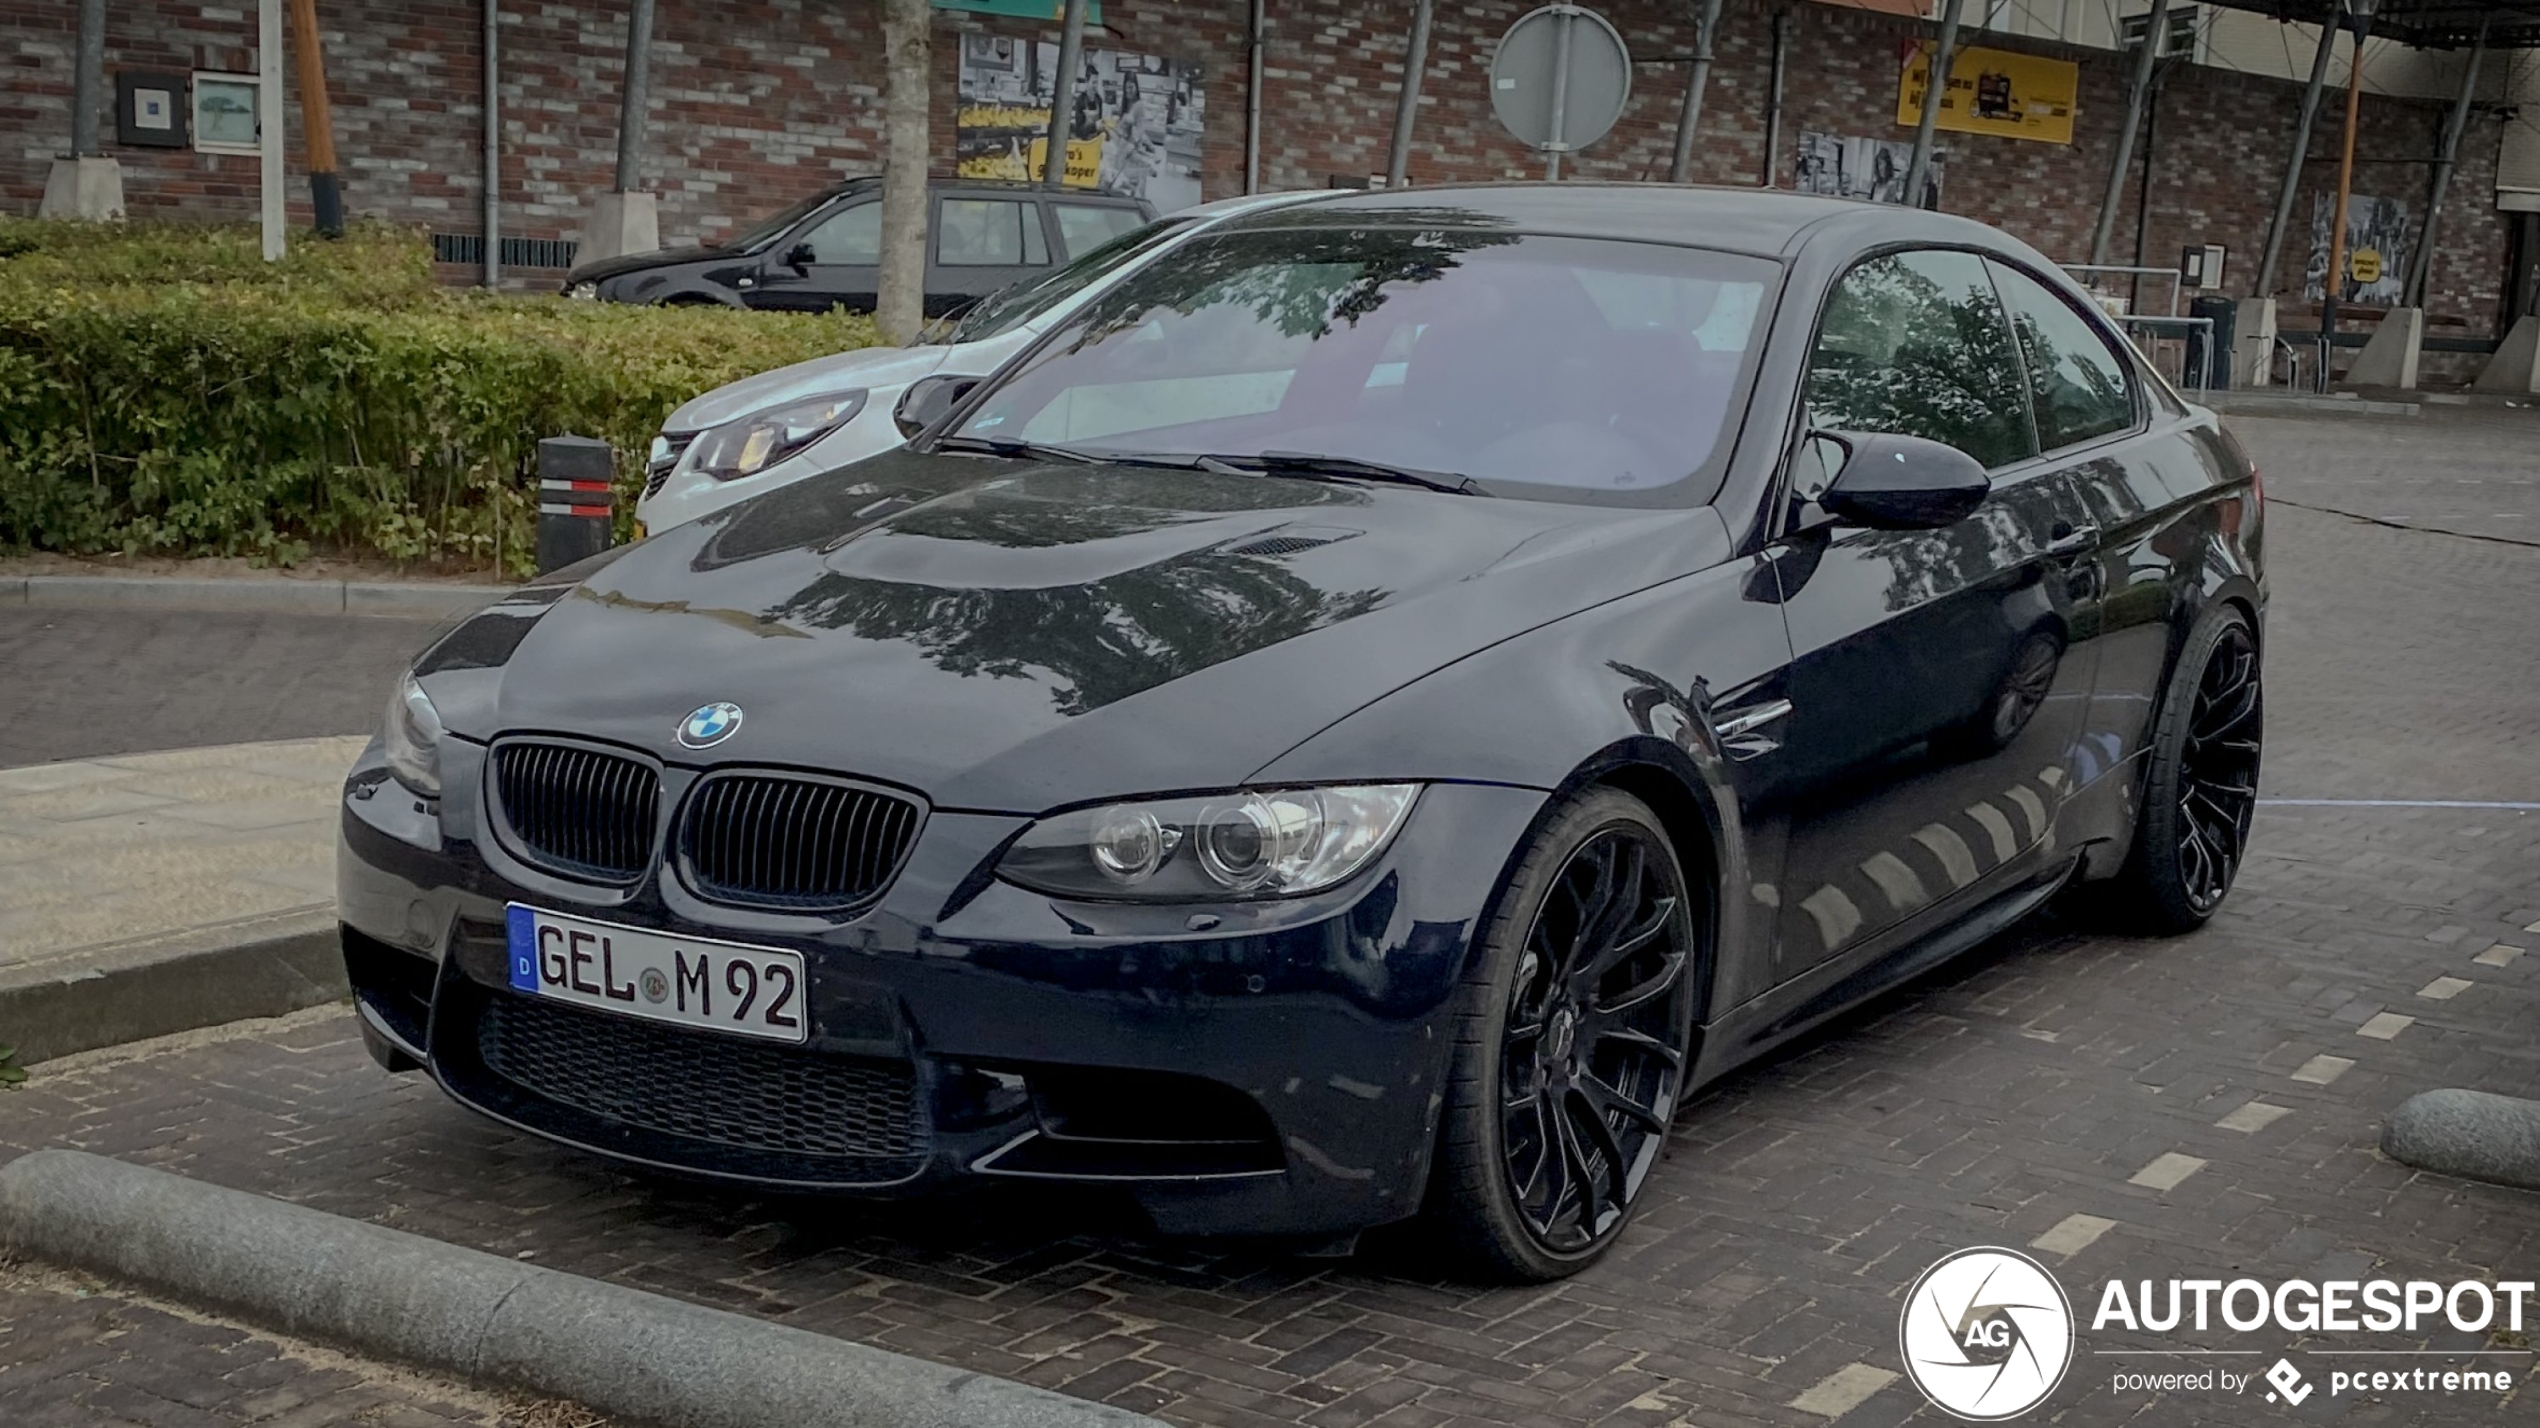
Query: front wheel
{"type": "Point", "coordinates": [1570, 1045]}
{"type": "Point", "coordinates": [2201, 791]}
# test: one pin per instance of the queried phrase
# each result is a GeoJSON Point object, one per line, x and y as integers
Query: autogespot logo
{"type": "Point", "coordinates": [1986, 1334]}
{"type": "Point", "coordinates": [710, 725]}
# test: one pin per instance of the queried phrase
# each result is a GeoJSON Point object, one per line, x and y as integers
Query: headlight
{"type": "Point", "coordinates": [760, 440]}
{"type": "Point", "coordinates": [412, 736]}
{"type": "Point", "coordinates": [1271, 843]}
{"type": "Point", "coordinates": [587, 292]}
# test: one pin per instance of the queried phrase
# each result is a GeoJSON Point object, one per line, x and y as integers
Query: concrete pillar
{"type": "Point", "coordinates": [2389, 358]}
{"type": "Point", "coordinates": [620, 223]}
{"type": "Point", "coordinates": [2516, 366]}
{"type": "Point", "coordinates": [2253, 342]}
{"type": "Point", "coordinates": [88, 188]}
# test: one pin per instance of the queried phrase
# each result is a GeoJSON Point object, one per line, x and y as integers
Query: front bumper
{"type": "Point", "coordinates": [1267, 1067]}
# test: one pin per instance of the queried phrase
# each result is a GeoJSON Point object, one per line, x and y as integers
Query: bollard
{"type": "Point", "coordinates": [576, 515]}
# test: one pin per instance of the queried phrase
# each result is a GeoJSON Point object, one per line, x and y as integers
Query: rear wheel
{"type": "Point", "coordinates": [2201, 790]}
{"type": "Point", "coordinates": [1570, 1048]}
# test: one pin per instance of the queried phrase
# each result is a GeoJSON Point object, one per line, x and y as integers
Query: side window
{"type": "Point", "coordinates": [851, 237]}
{"type": "Point", "coordinates": [2079, 383]}
{"type": "Point", "coordinates": [989, 232]}
{"type": "Point", "coordinates": [1082, 227]}
{"type": "Point", "coordinates": [1916, 344]}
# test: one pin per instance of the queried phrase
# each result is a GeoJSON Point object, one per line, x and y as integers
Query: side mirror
{"type": "Point", "coordinates": [1901, 483]}
{"type": "Point", "coordinates": [926, 401]}
{"type": "Point", "coordinates": [799, 256]}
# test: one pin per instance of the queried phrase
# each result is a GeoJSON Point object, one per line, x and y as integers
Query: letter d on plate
{"type": "Point", "coordinates": [520, 928]}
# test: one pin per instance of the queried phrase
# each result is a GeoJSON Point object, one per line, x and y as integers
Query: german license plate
{"type": "Point", "coordinates": [634, 971]}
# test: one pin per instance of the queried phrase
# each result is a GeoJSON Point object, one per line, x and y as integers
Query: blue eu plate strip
{"type": "Point", "coordinates": [522, 926]}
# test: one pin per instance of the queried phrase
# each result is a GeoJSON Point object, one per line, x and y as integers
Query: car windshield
{"type": "Point", "coordinates": [1554, 368]}
{"type": "Point", "coordinates": [768, 230]}
{"type": "Point", "coordinates": [1009, 308]}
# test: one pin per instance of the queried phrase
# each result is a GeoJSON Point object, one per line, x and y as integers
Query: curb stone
{"type": "Point", "coordinates": [391, 599]}
{"type": "Point", "coordinates": [488, 1320]}
{"type": "Point", "coordinates": [117, 992]}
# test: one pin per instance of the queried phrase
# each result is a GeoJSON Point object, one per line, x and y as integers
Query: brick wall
{"type": "Point", "coordinates": [755, 102]}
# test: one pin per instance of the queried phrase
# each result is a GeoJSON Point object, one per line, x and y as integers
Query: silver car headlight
{"type": "Point", "coordinates": [1243, 844]}
{"type": "Point", "coordinates": [411, 738]}
{"type": "Point", "coordinates": [755, 442]}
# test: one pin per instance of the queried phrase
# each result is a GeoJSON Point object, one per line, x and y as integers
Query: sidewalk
{"type": "Point", "coordinates": [156, 892]}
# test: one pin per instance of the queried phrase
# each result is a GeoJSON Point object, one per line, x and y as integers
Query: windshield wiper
{"type": "Point", "coordinates": [1017, 449]}
{"type": "Point", "coordinates": [1351, 468]}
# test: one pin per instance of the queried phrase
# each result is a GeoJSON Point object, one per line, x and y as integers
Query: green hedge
{"type": "Point", "coordinates": [162, 390]}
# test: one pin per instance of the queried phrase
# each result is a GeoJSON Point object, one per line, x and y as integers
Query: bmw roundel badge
{"type": "Point", "coordinates": [709, 725]}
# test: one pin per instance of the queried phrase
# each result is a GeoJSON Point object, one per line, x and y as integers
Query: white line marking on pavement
{"type": "Point", "coordinates": [2322, 1069]}
{"type": "Point", "coordinates": [2497, 956]}
{"type": "Point", "coordinates": [2253, 1118]}
{"type": "Point", "coordinates": [2394, 803]}
{"type": "Point", "coordinates": [1843, 1390]}
{"type": "Point", "coordinates": [2385, 1025]}
{"type": "Point", "coordinates": [2443, 989]}
{"type": "Point", "coordinates": [2073, 1235]}
{"type": "Point", "coordinates": [2166, 1171]}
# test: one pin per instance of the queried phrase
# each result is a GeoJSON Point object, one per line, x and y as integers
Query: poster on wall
{"type": "Point", "coordinates": [1847, 166]}
{"type": "Point", "coordinates": [1135, 129]}
{"type": "Point", "coordinates": [2376, 250]}
{"type": "Point", "coordinates": [1996, 92]}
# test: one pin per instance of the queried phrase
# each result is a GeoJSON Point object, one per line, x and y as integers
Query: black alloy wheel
{"type": "Point", "coordinates": [2201, 789]}
{"type": "Point", "coordinates": [2218, 770]}
{"type": "Point", "coordinates": [1571, 1052]}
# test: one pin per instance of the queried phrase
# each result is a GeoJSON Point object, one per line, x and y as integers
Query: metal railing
{"type": "Point", "coordinates": [2196, 376]}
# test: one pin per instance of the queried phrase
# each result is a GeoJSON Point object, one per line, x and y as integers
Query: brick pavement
{"type": "Point", "coordinates": [2132, 1109]}
{"type": "Point", "coordinates": [73, 1351]}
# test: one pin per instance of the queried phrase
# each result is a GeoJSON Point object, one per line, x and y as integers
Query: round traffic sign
{"type": "Point", "coordinates": [1560, 78]}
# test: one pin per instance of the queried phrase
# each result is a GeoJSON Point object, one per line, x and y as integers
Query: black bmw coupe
{"type": "Point", "coordinates": [1356, 724]}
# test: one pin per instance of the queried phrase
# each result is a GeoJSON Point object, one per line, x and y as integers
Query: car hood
{"type": "Point", "coordinates": [1009, 636]}
{"type": "Point", "coordinates": [602, 269]}
{"type": "Point", "coordinates": [889, 367]}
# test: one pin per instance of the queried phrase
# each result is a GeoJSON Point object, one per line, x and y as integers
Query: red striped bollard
{"type": "Point", "coordinates": [576, 515]}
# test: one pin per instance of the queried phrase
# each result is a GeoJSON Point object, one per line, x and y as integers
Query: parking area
{"type": "Point", "coordinates": [2206, 1107]}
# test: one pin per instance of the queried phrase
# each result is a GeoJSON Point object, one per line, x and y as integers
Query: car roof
{"type": "Point", "coordinates": [862, 182]}
{"type": "Point", "coordinates": [1765, 222]}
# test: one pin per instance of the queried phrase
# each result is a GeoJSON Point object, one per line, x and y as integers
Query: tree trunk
{"type": "Point", "coordinates": [908, 53]}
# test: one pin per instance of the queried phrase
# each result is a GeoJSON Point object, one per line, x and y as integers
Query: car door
{"type": "Point", "coordinates": [835, 260]}
{"type": "Point", "coordinates": [1935, 690]}
{"type": "Point", "coordinates": [983, 243]}
{"type": "Point", "coordinates": [2093, 423]}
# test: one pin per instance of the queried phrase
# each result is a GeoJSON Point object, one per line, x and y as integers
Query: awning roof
{"type": "Point", "coordinates": [2427, 24]}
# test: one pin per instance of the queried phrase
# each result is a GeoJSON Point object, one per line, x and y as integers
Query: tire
{"type": "Point", "coordinates": [1515, 1194]}
{"type": "Point", "coordinates": [2200, 790]}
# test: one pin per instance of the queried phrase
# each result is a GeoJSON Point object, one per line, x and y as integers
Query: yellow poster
{"type": "Point", "coordinates": [1997, 92]}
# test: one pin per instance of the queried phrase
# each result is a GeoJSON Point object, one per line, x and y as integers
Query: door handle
{"type": "Point", "coordinates": [2071, 541]}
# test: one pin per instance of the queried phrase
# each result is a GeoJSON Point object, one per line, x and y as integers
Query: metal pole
{"type": "Point", "coordinates": [1680, 168]}
{"type": "Point", "coordinates": [1415, 62]}
{"type": "Point", "coordinates": [88, 76]}
{"type": "Point", "coordinates": [493, 45]}
{"type": "Point", "coordinates": [1560, 89]}
{"type": "Point", "coordinates": [2284, 197]}
{"type": "Point", "coordinates": [1071, 49]}
{"type": "Point", "coordinates": [1773, 98]}
{"type": "Point", "coordinates": [2143, 198]}
{"type": "Point", "coordinates": [2334, 280]}
{"type": "Point", "coordinates": [1258, 35]}
{"type": "Point", "coordinates": [2155, 26]}
{"type": "Point", "coordinates": [635, 101]}
{"type": "Point", "coordinates": [269, 178]}
{"type": "Point", "coordinates": [2421, 264]}
{"type": "Point", "coordinates": [1935, 84]}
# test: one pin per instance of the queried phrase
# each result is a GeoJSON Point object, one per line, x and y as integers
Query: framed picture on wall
{"type": "Point", "coordinates": [150, 108]}
{"type": "Point", "coordinates": [225, 113]}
